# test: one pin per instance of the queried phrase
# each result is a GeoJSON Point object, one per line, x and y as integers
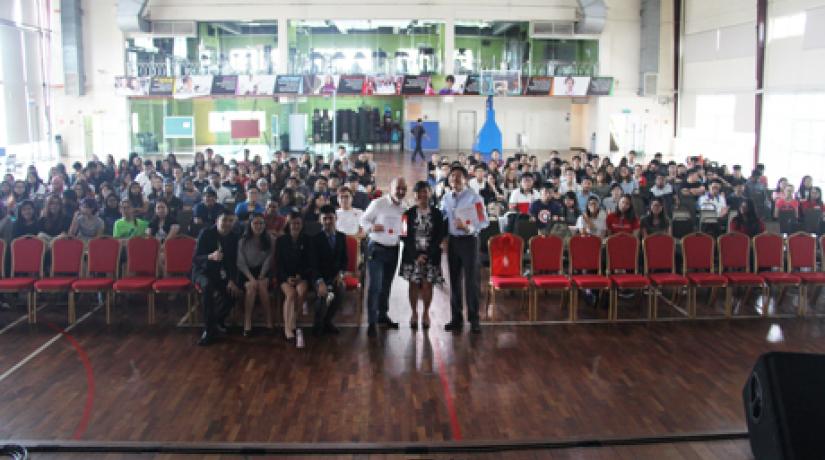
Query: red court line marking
{"type": "Point", "coordinates": [455, 427]}
{"type": "Point", "coordinates": [80, 430]}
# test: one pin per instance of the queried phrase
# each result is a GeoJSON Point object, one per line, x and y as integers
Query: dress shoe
{"type": "Point", "coordinates": [475, 328]}
{"type": "Point", "coordinates": [317, 330]}
{"type": "Point", "coordinates": [454, 326]}
{"type": "Point", "coordinates": [330, 328]}
{"type": "Point", "coordinates": [247, 332]}
{"type": "Point", "coordinates": [221, 326]}
{"type": "Point", "coordinates": [372, 331]}
{"type": "Point", "coordinates": [388, 322]}
{"type": "Point", "coordinates": [206, 339]}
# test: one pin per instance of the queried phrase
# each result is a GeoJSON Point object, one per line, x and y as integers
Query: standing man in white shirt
{"type": "Point", "coordinates": [466, 215]}
{"type": "Point", "coordinates": [382, 222]}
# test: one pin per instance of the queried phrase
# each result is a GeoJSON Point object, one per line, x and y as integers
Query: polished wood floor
{"type": "Point", "coordinates": [132, 382]}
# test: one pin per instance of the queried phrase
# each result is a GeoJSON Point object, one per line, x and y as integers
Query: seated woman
{"type": "Point", "coordinates": [86, 224]}
{"type": "Point", "coordinates": [594, 219]}
{"type": "Point", "coordinates": [655, 221]}
{"type": "Point", "coordinates": [54, 221]}
{"type": "Point", "coordinates": [25, 224]}
{"type": "Point", "coordinates": [747, 221]}
{"type": "Point", "coordinates": [292, 255]}
{"type": "Point", "coordinates": [254, 262]}
{"type": "Point", "coordinates": [128, 225]}
{"type": "Point", "coordinates": [624, 219]}
{"type": "Point", "coordinates": [162, 226]}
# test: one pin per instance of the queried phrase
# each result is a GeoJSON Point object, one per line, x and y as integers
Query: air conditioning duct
{"type": "Point", "coordinates": [131, 16]}
{"type": "Point", "coordinates": [174, 28]}
{"type": "Point", "coordinates": [593, 17]}
{"type": "Point", "coordinates": [74, 75]}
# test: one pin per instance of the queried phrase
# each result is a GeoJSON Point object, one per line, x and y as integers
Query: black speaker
{"type": "Point", "coordinates": [784, 400]}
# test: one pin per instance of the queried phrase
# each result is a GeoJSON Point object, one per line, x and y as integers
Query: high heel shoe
{"type": "Point", "coordinates": [414, 322]}
{"type": "Point", "coordinates": [425, 322]}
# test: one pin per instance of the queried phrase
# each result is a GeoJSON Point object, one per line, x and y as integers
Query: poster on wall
{"type": "Point", "coordinates": [178, 127]}
{"type": "Point", "coordinates": [225, 85]}
{"type": "Point", "coordinates": [289, 84]}
{"type": "Point", "coordinates": [600, 86]}
{"type": "Point", "coordinates": [570, 86]}
{"type": "Point", "coordinates": [452, 85]}
{"type": "Point", "coordinates": [384, 85]}
{"type": "Point", "coordinates": [351, 84]}
{"type": "Point", "coordinates": [537, 86]}
{"type": "Point", "coordinates": [256, 85]}
{"type": "Point", "coordinates": [162, 86]}
{"type": "Point", "coordinates": [471, 85]}
{"type": "Point", "coordinates": [132, 86]}
{"type": "Point", "coordinates": [193, 86]}
{"type": "Point", "coordinates": [501, 83]}
{"type": "Point", "coordinates": [417, 85]}
{"type": "Point", "coordinates": [321, 84]}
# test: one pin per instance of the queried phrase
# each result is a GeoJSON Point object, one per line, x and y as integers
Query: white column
{"type": "Point", "coordinates": [449, 47]}
{"type": "Point", "coordinates": [283, 46]}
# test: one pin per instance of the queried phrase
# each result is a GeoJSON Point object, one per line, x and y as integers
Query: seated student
{"type": "Point", "coordinates": [610, 203]}
{"type": "Point", "coordinates": [54, 221]}
{"type": "Point", "coordinates": [570, 209]}
{"type": "Point", "coordinates": [546, 211]}
{"type": "Point", "coordinates": [254, 268]}
{"type": "Point", "coordinates": [6, 225]}
{"type": "Point", "coordinates": [26, 224]}
{"type": "Point", "coordinates": [329, 262]}
{"type": "Point", "coordinates": [623, 219]}
{"type": "Point", "coordinates": [746, 221]}
{"type": "Point", "coordinates": [656, 220]}
{"type": "Point", "coordinates": [129, 225]}
{"type": "Point", "coordinates": [714, 200]}
{"type": "Point", "coordinates": [584, 194]}
{"type": "Point", "coordinates": [110, 213]}
{"type": "Point", "coordinates": [252, 204]}
{"type": "Point", "coordinates": [275, 222]}
{"type": "Point", "coordinates": [593, 221]}
{"type": "Point", "coordinates": [479, 179]}
{"type": "Point", "coordinates": [86, 224]}
{"type": "Point", "coordinates": [206, 213]}
{"type": "Point", "coordinates": [569, 183]}
{"type": "Point", "coordinates": [162, 226]}
{"type": "Point", "coordinates": [814, 202]}
{"type": "Point", "coordinates": [786, 203]}
{"type": "Point", "coordinates": [292, 255]}
{"type": "Point", "coordinates": [522, 197]}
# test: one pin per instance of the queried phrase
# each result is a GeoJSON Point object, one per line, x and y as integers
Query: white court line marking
{"type": "Point", "coordinates": [20, 319]}
{"type": "Point", "coordinates": [46, 345]}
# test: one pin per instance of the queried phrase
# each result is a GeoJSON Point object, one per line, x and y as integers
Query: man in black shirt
{"type": "Point", "coordinates": [418, 133]}
{"type": "Point", "coordinates": [214, 269]}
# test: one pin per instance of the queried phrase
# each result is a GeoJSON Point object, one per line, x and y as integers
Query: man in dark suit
{"type": "Point", "coordinates": [329, 262]}
{"type": "Point", "coordinates": [214, 269]}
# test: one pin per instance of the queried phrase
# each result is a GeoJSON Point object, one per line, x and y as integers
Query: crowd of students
{"type": "Point", "coordinates": [287, 218]}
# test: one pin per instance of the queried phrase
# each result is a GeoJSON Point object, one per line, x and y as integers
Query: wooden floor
{"type": "Point", "coordinates": [131, 382]}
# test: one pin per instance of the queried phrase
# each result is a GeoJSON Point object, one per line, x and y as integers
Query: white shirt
{"type": "Point", "coordinates": [564, 187]}
{"type": "Point", "coordinates": [476, 184]}
{"type": "Point", "coordinates": [599, 222]}
{"type": "Point", "coordinates": [517, 196]}
{"type": "Point", "coordinates": [222, 193]}
{"type": "Point", "coordinates": [708, 203]}
{"type": "Point", "coordinates": [383, 211]}
{"type": "Point", "coordinates": [348, 221]}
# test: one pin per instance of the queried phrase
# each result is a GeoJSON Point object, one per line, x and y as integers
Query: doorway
{"type": "Point", "coordinates": [466, 130]}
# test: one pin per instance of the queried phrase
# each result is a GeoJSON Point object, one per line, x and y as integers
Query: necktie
{"type": "Point", "coordinates": [331, 238]}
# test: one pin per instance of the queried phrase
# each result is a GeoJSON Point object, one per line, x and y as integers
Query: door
{"type": "Point", "coordinates": [467, 129]}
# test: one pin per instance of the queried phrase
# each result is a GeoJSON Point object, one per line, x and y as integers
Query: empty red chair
{"type": "Point", "coordinates": [101, 270]}
{"type": "Point", "coordinates": [585, 260]}
{"type": "Point", "coordinates": [699, 267]}
{"type": "Point", "coordinates": [546, 254]}
{"type": "Point", "coordinates": [660, 266]}
{"type": "Point", "coordinates": [67, 263]}
{"type": "Point", "coordinates": [734, 264]}
{"type": "Point", "coordinates": [141, 270]}
{"type": "Point", "coordinates": [506, 267]}
{"type": "Point", "coordinates": [769, 256]}
{"type": "Point", "coordinates": [623, 270]}
{"type": "Point", "coordinates": [802, 263]}
{"type": "Point", "coordinates": [26, 267]}
{"type": "Point", "coordinates": [352, 278]}
{"type": "Point", "coordinates": [177, 271]}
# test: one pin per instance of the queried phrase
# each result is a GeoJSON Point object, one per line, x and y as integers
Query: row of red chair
{"type": "Point", "coordinates": [775, 266]}
{"type": "Point", "coordinates": [101, 272]}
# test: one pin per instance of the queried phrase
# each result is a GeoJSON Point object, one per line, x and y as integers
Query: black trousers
{"type": "Point", "coordinates": [418, 151]}
{"type": "Point", "coordinates": [462, 256]}
{"type": "Point", "coordinates": [324, 314]}
{"type": "Point", "coordinates": [216, 300]}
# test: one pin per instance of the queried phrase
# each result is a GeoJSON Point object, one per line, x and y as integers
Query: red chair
{"type": "Point", "coordinates": [177, 270]}
{"type": "Point", "coordinates": [67, 263]}
{"type": "Point", "coordinates": [27, 254]}
{"type": "Point", "coordinates": [660, 266]}
{"type": "Point", "coordinates": [352, 278]}
{"type": "Point", "coordinates": [734, 264]}
{"type": "Point", "coordinates": [506, 268]}
{"type": "Point", "coordinates": [769, 255]}
{"type": "Point", "coordinates": [103, 259]}
{"type": "Point", "coordinates": [623, 270]}
{"type": "Point", "coordinates": [699, 268]}
{"type": "Point", "coordinates": [802, 263]}
{"type": "Point", "coordinates": [546, 253]}
{"type": "Point", "coordinates": [585, 260]}
{"type": "Point", "coordinates": [141, 270]}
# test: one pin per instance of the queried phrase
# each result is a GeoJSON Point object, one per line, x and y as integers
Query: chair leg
{"type": "Point", "coordinates": [31, 304]}
{"type": "Point", "coordinates": [653, 301]}
{"type": "Point", "coordinates": [803, 300]}
{"type": "Point", "coordinates": [72, 312]}
{"type": "Point", "coordinates": [151, 301]}
{"type": "Point", "coordinates": [492, 305]}
{"type": "Point", "coordinates": [728, 301]}
{"type": "Point", "coordinates": [110, 296]}
{"type": "Point", "coordinates": [574, 298]}
{"type": "Point", "coordinates": [535, 304]}
{"type": "Point", "coordinates": [611, 305]}
{"type": "Point", "coordinates": [691, 302]}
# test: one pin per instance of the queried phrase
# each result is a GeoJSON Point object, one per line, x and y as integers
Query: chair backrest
{"type": "Point", "coordinates": [179, 252]}
{"type": "Point", "coordinates": [768, 250]}
{"type": "Point", "coordinates": [488, 232]}
{"type": "Point", "coordinates": [526, 229]}
{"type": "Point", "coordinates": [546, 253]}
{"type": "Point", "coordinates": [697, 253]}
{"type": "Point", "coordinates": [585, 253]}
{"type": "Point", "coordinates": [734, 252]}
{"type": "Point", "coordinates": [142, 256]}
{"type": "Point", "coordinates": [622, 253]}
{"type": "Point", "coordinates": [67, 255]}
{"type": "Point", "coordinates": [801, 252]}
{"type": "Point", "coordinates": [27, 255]}
{"type": "Point", "coordinates": [506, 252]}
{"type": "Point", "coordinates": [659, 252]}
{"type": "Point", "coordinates": [104, 255]}
{"type": "Point", "coordinates": [352, 253]}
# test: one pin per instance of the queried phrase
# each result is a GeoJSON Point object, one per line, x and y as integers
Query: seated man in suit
{"type": "Point", "coordinates": [329, 262]}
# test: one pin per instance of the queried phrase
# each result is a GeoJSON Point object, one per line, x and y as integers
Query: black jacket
{"type": "Point", "coordinates": [434, 248]}
{"type": "Point", "coordinates": [207, 243]}
{"type": "Point", "coordinates": [326, 262]}
{"type": "Point", "coordinates": [293, 257]}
